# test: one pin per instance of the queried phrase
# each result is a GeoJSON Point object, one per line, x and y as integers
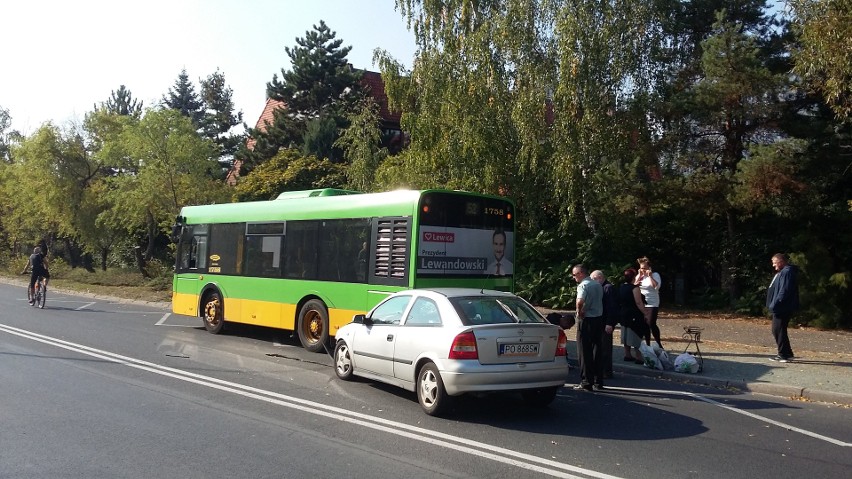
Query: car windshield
{"type": "Point", "coordinates": [494, 310]}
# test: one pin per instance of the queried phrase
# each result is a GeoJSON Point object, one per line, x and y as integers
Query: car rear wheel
{"type": "Point", "coordinates": [431, 394]}
{"type": "Point", "coordinates": [540, 397]}
{"type": "Point", "coordinates": [342, 361]}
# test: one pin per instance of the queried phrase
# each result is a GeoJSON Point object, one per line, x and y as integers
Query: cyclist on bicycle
{"type": "Point", "coordinates": [38, 265]}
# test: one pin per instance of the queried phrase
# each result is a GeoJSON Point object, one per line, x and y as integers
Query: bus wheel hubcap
{"type": "Point", "coordinates": [210, 312]}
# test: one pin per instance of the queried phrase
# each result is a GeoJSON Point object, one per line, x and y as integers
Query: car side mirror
{"type": "Point", "coordinates": [362, 319]}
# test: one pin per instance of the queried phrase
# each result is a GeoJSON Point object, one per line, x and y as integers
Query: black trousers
{"type": "Point", "coordinates": [590, 332]}
{"type": "Point", "coordinates": [606, 352]}
{"type": "Point", "coordinates": [779, 332]}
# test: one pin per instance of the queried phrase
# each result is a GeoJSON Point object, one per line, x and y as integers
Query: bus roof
{"type": "Point", "coordinates": [303, 205]}
{"type": "Point", "coordinates": [312, 193]}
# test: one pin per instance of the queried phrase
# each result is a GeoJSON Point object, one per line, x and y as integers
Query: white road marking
{"type": "Point", "coordinates": [476, 448]}
{"type": "Point", "coordinates": [738, 411]}
{"type": "Point", "coordinates": [85, 306]}
{"type": "Point", "coordinates": [163, 320]}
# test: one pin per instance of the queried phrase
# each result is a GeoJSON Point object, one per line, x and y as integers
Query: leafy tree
{"type": "Point", "coordinates": [169, 167]}
{"type": "Point", "coordinates": [182, 97]}
{"type": "Point", "coordinates": [824, 27]}
{"type": "Point", "coordinates": [45, 185]}
{"type": "Point", "coordinates": [289, 171]}
{"type": "Point", "coordinates": [318, 94]}
{"type": "Point", "coordinates": [121, 102]}
{"type": "Point", "coordinates": [522, 98]}
{"type": "Point", "coordinates": [361, 146]}
{"type": "Point", "coordinates": [7, 136]}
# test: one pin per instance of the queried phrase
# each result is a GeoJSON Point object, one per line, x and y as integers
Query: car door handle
{"type": "Point", "coordinates": [390, 337]}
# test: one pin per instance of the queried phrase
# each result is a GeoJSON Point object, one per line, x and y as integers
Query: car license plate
{"type": "Point", "coordinates": [518, 349]}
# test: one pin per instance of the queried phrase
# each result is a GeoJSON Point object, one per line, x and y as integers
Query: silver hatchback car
{"type": "Point", "coordinates": [445, 342]}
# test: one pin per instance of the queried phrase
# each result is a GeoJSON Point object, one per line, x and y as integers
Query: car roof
{"type": "Point", "coordinates": [460, 292]}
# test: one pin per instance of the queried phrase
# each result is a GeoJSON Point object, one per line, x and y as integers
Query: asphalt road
{"type": "Point", "coordinates": [94, 388]}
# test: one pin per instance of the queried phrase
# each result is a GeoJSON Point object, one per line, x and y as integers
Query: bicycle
{"type": "Point", "coordinates": [38, 296]}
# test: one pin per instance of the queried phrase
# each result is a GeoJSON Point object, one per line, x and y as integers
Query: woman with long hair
{"type": "Point", "coordinates": [649, 283]}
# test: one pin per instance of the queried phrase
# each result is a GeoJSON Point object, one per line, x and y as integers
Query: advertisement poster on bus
{"type": "Point", "coordinates": [465, 251]}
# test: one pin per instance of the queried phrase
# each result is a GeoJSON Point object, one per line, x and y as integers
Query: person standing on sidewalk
{"type": "Point", "coordinates": [649, 283]}
{"type": "Point", "coordinates": [610, 316]}
{"type": "Point", "coordinates": [590, 329]}
{"type": "Point", "coordinates": [632, 317]}
{"type": "Point", "coordinates": [782, 300]}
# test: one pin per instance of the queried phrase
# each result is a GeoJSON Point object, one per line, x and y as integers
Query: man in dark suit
{"type": "Point", "coordinates": [611, 317]}
{"type": "Point", "coordinates": [782, 300]}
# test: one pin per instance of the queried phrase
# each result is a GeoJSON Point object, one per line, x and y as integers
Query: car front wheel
{"type": "Point", "coordinates": [343, 361]}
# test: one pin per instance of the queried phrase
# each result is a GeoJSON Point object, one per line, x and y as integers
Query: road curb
{"type": "Point", "coordinates": [86, 294]}
{"type": "Point", "coordinates": [770, 389]}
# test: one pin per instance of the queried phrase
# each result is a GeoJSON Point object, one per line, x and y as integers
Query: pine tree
{"type": "Point", "coordinates": [320, 90]}
{"type": "Point", "coordinates": [121, 102]}
{"type": "Point", "coordinates": [219, 117]}
{"type": "Point", "coordinates": [182, 97]}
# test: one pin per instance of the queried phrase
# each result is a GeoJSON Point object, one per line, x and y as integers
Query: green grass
{"type": "Point", "coordinates": [118, 282]}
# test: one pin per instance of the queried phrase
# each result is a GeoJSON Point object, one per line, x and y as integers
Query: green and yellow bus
{"type": "Point", "coordinates": [308, 261]}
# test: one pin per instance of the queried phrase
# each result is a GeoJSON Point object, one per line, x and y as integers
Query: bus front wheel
{"type": "Point", "coordinates": [213, 312]}
{"type": "Point", "coordinates": [313, 326]}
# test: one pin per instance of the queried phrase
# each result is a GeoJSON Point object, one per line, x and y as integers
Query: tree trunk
{"type": "Point", "coordinates": [140, 261]}
{"type": "Point", "coordinates": [68, 253]}
{"type": "Point", "coordinates": [152, 235]}
{"type": "Point", "coordinates": [733, 260]}
{"type": "Point", "coordinates": [88, 263]}
{"type": "Point", "coordinates": [104, 255]}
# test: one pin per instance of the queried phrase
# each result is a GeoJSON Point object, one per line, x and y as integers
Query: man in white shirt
{"type": "Point", "coordinates": [499, 266]}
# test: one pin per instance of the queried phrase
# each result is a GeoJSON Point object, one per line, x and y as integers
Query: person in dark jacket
{"type": "Point", "coordinates": [611, 316]}
{"type": "Point", "coordinates": [782, 300]}
{"type": "Point", "coordinates": [632, 317]}
{"type": "Point", "coordinates": [37, 263]}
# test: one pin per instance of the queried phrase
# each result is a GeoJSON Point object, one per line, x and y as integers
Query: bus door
{"type": "Point", "coordinates": [190, 267]}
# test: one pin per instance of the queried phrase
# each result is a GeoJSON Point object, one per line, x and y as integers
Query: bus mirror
{"type": "Point", "coordinates": [175, 233]}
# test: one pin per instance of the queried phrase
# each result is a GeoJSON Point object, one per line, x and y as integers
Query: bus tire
{"type": "Point", "coordinates": [312, 326]}
{"type": "Point", "coordinates": [213, 312]}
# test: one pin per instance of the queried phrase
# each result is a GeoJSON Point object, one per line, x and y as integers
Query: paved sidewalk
{"type": "Point", "coordinates": [736, 355]}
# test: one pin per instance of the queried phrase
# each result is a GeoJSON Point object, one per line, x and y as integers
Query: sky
{"type": "Point", "coordinates": [62, 57]}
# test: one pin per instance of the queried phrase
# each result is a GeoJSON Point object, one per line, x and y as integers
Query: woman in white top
{"type": "Point", "coordinates": [649, 285]}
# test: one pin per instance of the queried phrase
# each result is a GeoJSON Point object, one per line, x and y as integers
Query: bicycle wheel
{"type": "Point", "coordinates": [42, 296]}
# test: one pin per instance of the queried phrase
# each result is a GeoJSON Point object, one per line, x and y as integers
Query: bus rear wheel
{"type": "Point", "coordinates": [213, 312]}
{"type": "Point", "coordinates": [312, 326]}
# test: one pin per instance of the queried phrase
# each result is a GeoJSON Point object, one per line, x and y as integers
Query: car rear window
{"type": "Point", "coordinates": [494, 310]}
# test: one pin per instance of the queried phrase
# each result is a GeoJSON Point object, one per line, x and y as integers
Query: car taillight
{"type": "Point", "coordinates": [464, 347]}
{"type": "Point", "coordinates": [562, 344]}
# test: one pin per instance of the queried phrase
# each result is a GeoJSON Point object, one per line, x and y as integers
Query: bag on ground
{"type": "Point", "coordinates": [649, 357]}
{"type": "Point", "coordinates": [665, 360]}
{"type": "Point", "coordinates": [686, 363]}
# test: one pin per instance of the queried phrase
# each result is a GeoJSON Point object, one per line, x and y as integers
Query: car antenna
{"type": "Point", "coordinates": [485, 281]}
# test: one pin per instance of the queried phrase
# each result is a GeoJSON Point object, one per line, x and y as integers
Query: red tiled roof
{"type": "Point", "coordinates": [376, 87]}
